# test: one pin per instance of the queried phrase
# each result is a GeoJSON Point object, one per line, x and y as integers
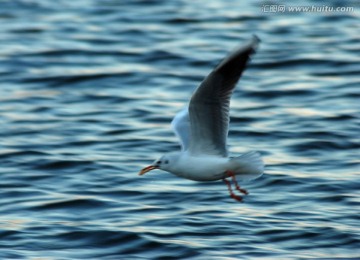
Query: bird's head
{"type": "Point", "coordinates": [165, 163]}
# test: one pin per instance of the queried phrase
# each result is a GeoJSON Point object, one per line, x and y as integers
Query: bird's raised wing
{"type": "Point", "coordinates": [181, 127]}
{"type": "Point", "coordinates": [209, 105]}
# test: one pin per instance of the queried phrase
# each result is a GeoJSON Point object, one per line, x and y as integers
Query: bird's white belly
{"type": "Point", "coordinates": [201, 168]}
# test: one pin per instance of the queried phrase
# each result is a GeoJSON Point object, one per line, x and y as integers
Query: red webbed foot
{"type": "Point", "coordinates": [232, 195]}
{"type": "Point", "coordinates": [237, 186]}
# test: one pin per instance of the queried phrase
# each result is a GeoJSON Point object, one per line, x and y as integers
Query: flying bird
{"type": "Point", "coordinates": [202, 128]}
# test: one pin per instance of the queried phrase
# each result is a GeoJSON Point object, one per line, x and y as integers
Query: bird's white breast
{"type": "Point", "coordinates": [200, 168]}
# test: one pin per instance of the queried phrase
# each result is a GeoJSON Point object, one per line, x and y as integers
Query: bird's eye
{"type": "Point", "coordinates": [166, 161]}
{"type": "Point", "coordinates": [158, 162]}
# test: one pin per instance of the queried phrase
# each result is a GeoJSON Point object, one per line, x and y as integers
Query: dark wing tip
{"type": "Point", "coordinates": [234, 64]}
{"type": "Point", "coordinates": [255, 39]}
{"type": "Point", "coordinates": [255, 42]}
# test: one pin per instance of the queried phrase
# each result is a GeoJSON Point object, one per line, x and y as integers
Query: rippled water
{"type": "Point", "coordinates": [88, 90]}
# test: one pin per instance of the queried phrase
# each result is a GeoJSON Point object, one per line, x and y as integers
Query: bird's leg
{"type": "Point", "coordinates": [232, 195]}
{"type": "Point", "coordinates": [232, 175]}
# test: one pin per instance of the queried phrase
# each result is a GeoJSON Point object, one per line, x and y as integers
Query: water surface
{"type": "Point", "coordinates": [88, 90]}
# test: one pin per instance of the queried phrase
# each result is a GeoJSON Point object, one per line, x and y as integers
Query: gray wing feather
{"type": "Point", "coordinates": [209, 105]}
{"type": "Point", "coordinates": [181, 127]}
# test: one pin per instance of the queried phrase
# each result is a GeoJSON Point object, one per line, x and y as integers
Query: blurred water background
{"type": "Point", "coordinates": [87, 93]}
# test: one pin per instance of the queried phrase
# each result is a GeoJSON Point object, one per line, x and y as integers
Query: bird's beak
{"type": "Point", "coordinates": [147, 169]}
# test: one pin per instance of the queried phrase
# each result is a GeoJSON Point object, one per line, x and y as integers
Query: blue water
{"type": "Point", "coordinates": [87, 93]}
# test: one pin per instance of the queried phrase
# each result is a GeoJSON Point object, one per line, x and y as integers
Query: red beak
{"type": "Point", "coordinates": [147, 169]}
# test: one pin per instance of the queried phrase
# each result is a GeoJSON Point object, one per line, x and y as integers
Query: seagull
{"type": "Point", "coordinates": [202, 128]}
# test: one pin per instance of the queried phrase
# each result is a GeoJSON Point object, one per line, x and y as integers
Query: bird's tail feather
{"type": "Point", "coordinates": [247, 166]}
